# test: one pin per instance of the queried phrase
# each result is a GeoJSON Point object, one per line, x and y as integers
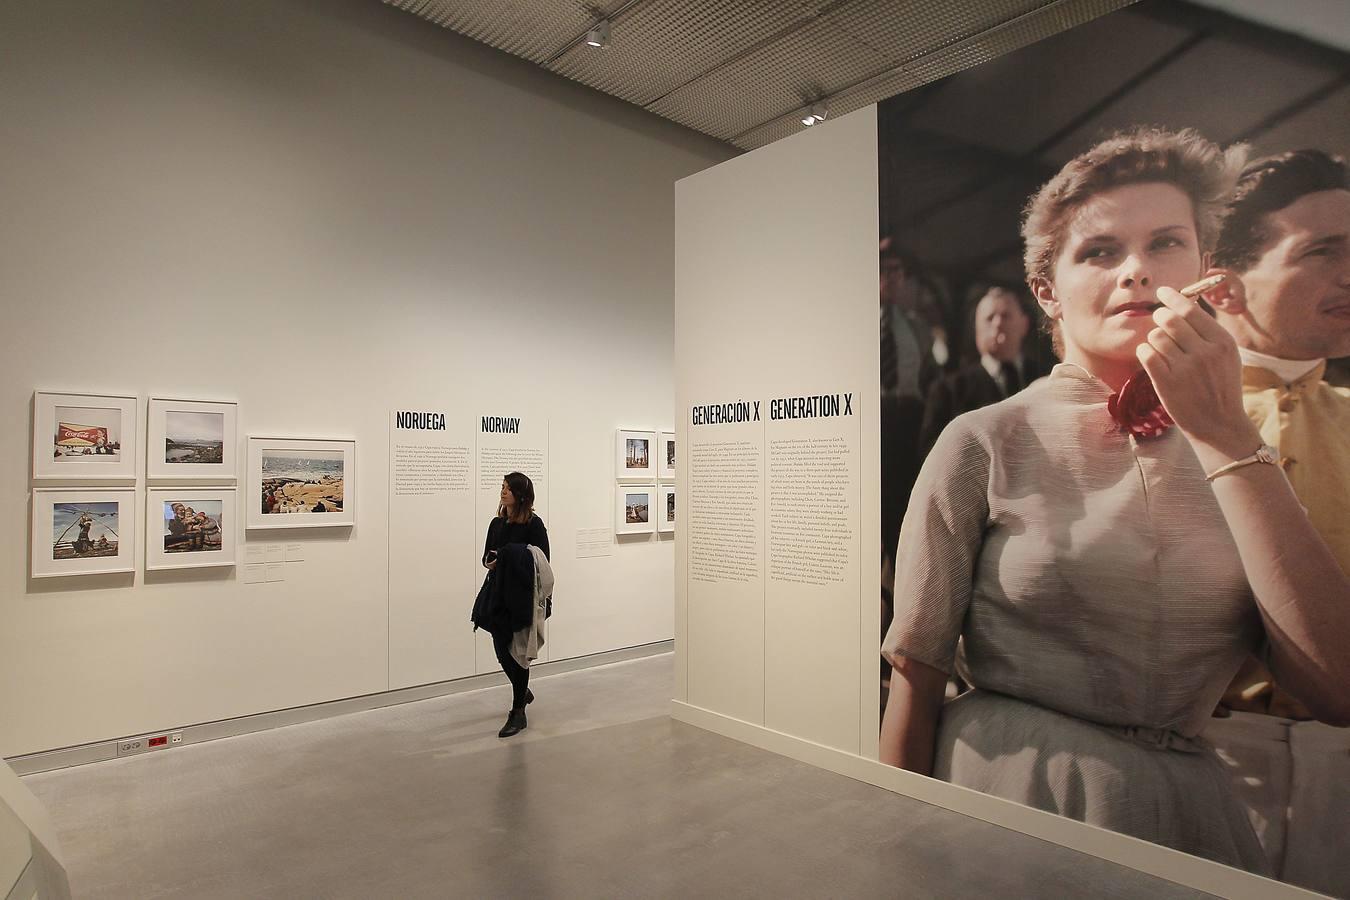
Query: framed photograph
{"type": "Point", "coordinates": [665, 510]}
{"type": "Point", "coordinates": [189, 529]}
{"type": "Point", "coordinates": [636, 511]}
{"type": "Point", "coordinates": [636, 455]}
{"type": "Point", "coordinates": [83, 531]}
{"type": "Point", "coordinates": [300, 483]}
{"type": "Point", "coordinates": [190, 439]}
{"type": "Point", "coordinates": [84, 437]}
{"type": "Point", "coordinates": [665, 450]}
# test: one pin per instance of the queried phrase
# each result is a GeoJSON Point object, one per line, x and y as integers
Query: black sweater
{"type": "Point", "coordinates": [505, 603]}
{"type": "Point", "coordinates": [502, 532]}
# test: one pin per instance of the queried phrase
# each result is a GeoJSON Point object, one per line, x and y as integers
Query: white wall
{"type": "Point", "coordinates": [334, 209]}
{"type": "Point", "coordinates": [776, 285]}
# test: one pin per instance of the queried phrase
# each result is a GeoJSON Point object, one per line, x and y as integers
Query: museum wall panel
{"type": "Point", "coordinates": [324, 212]}
{"type": "Point", "coordinates": [752, 326]}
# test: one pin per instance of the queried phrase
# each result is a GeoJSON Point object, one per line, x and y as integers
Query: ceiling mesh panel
{"type": "Point", "coordinates": [533, 29]}
{"type": "Point", "coordinates": [658, 47]}
{"type": "Point", "coordinates": [743, 72]}
{"type": "Point", "coordinates": [955, 57]}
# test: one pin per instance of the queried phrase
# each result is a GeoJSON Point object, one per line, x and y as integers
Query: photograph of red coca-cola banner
{"type": "Point", "coordinates": [82, 432]}
{"type": "Point", "coordinates": [68, 435]}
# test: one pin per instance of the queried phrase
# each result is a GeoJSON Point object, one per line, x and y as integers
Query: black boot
{"type": "Point", "coordinates": [515, 723]}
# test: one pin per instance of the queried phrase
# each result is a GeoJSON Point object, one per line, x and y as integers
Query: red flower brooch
{"type": "Point", "coordinates": [1137, 409]}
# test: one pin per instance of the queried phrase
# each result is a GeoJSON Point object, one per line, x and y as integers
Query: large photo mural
{"type": "Point", "coordinates": [1114, 344]}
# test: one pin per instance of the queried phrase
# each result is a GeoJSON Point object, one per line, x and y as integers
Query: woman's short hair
{"type": "Point", "coordinates": [1185, 159]}
{"type": "Point", "coordinates": [522, 489]}
{"type": "Point", "coordinates": [1266, 186]}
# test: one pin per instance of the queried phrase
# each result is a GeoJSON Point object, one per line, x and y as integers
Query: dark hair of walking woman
{"type": "Point", "coordinates": [522, 489]}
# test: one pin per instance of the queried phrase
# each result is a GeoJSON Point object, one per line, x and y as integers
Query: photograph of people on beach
{"type": "Point", "coordinates": [84, 530]}
{"type": "Point", "coordinates": [301, 481]}
{"type": "Point", "coordinates": [89, 434]}
{"type": "Point", "coordinates": [638, 449]}
{"type": "Point", "coordinates": [192, 526]}
{"type": "Point", "coordinates": [194, 437]}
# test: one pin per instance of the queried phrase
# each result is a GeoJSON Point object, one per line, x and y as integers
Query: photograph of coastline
{"type": "Point", "coordinates": [193, 437]}
{"type": "Point", "coordinates": [88, 434]}
{"type": "Point", "coordinates": [300, 483]}
{"type": "Point", "coordinates": [84, 530]}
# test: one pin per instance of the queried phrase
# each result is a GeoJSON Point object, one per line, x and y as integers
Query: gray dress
{"type": "Point", "coordinates": [1101, 609]}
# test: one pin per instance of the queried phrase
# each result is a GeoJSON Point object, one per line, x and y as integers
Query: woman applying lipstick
{"type": "Point", "coordinates": [1101, 589]}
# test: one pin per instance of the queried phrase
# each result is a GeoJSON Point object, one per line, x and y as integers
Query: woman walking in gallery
{"type": "Point", "coordinates": [506, 602]}
{"type": "Point", "coordinates": [1104, 572]}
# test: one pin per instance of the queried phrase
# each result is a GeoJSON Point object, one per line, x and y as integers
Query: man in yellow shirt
{"type": "Point", "coordinates": [1287, 239]}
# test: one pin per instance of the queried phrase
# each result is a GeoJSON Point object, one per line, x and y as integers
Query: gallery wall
{"type": "Point", "coordinates": [324, 211]}
{"type": "Point", "coordinates": [775, 291]}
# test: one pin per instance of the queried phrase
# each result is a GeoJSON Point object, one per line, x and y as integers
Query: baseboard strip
{"type": "Point", "coordinates": [98, 751]}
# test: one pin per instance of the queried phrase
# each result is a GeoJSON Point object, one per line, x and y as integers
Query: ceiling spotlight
{"type": "Point", "coordinates": [816, 113]}
{"type": "Point", "coordinates": [599, 35]}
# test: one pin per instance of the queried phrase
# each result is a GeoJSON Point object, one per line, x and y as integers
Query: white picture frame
{"type": "Point", "coordinates": [665, 455]}
{"type": "Point", "coordinates": [190, 546]}
{"type": "Point", "coordinates": [84, 437]}
{"type": "Point", "coordinates": [191, 439]}
{"type": "Point", "coordinates": [62, 546]}
{"type": "Point", "coordinates": [324, 466]}
{"type": "Point", "coordinates": [635, 455]}
{"type": "Point", "coordinates": [666, 510]}
{"type": "Point", "coordinates": [633, 515]}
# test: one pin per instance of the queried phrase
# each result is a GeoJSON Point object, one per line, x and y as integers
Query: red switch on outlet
{"type": "Point", "coordinates": [158, 741]}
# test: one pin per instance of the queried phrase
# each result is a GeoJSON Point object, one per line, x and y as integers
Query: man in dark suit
{"type": "Point", "coordinates": [1000, 326]}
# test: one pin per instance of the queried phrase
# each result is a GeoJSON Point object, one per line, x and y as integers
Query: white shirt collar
{"type": "Point", "coordinates": [995, 368]}
{"type": "Point", "coordinates": [1287, 370]}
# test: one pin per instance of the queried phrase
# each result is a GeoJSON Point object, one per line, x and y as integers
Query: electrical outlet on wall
{"type": "Point", "coordinates": [131, 745]}
{"type": "Point", "coordinates": [147, 742]}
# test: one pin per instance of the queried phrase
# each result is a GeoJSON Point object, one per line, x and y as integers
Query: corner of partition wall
{"type": "Point", "coordinates": [869, 633]}
{"type": "Point", "coordinates": [739, 240]}
{"type": "Point", "coordinates": [681, 572]}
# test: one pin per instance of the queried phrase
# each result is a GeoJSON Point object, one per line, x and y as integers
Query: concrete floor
{"type": "Point", "coordinates": [603, 796]}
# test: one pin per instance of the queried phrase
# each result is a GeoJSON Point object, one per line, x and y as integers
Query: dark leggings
{"type": "Point", "coordinates": [518, 674]}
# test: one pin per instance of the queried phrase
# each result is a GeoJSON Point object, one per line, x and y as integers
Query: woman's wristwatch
{"type": "Point", "coordinates": [1264, 454]}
